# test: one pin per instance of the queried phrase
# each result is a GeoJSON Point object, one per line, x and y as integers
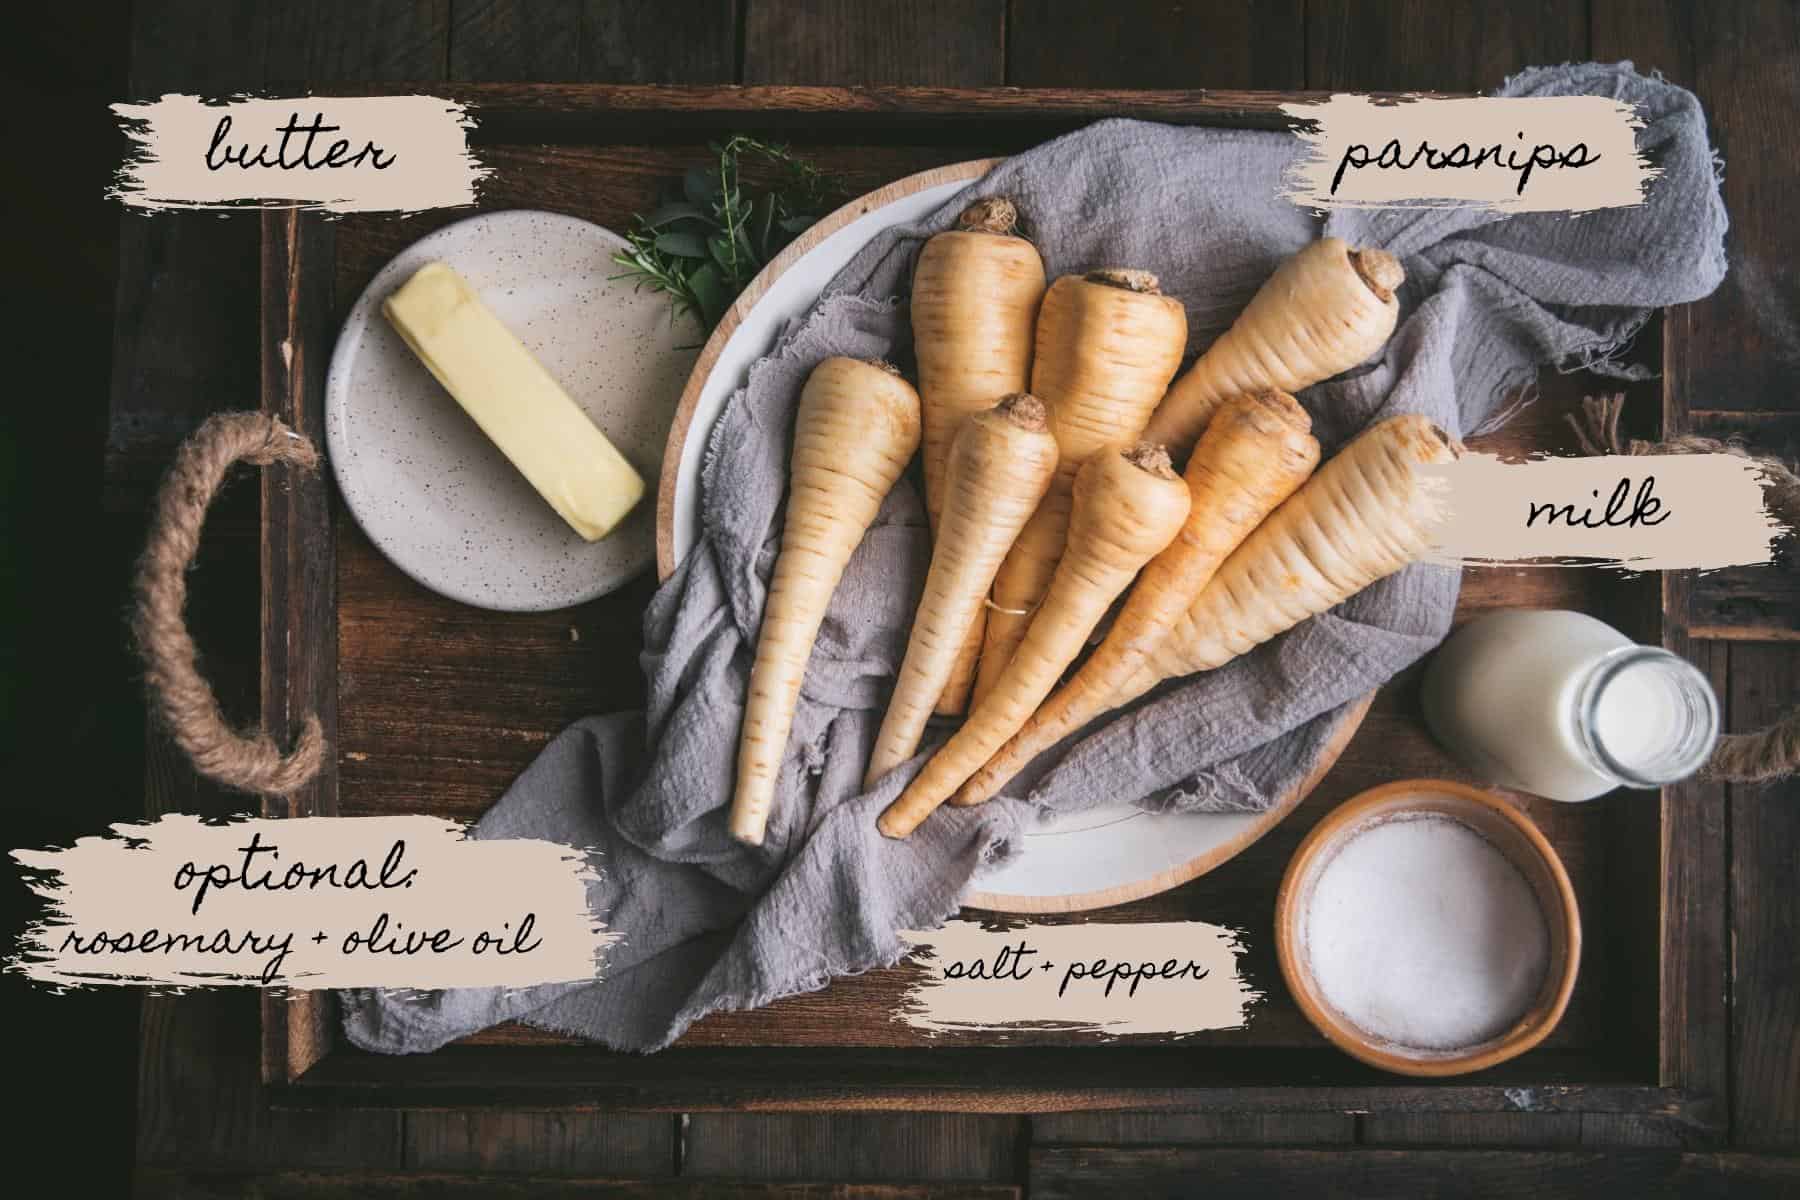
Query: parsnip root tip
{"type": "Point", "coordinates": [1380, 270]}
{"type": "Point", "coordinates": [1285, 408]}
{"type": "Point", "coordinates": [1129, 278]}
{"type": "Point", "coordinates": [1151, 457]}
{"type": "Point", "coordinates": [1025, 410]}
{"type": "Point", "coordinates": [993, 214]}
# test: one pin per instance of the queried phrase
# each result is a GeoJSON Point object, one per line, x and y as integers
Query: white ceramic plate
{"type": "Point", "coordinates": [1107, 855]}
{"type": "Point", "coordinates": [428, 487]}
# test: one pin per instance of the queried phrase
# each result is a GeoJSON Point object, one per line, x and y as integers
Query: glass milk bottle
{"type": "Point", "coordinates": [1565, 706]}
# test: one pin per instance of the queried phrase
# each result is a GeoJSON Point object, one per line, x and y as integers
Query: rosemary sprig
{"type": "Point", "coordinates": [708, 239]}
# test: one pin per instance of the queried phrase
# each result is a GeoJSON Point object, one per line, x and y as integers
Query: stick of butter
{"type": "Point", "coordinates": [517, 403]}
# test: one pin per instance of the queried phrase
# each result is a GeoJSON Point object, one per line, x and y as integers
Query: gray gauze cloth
{"type": "Point", "coordinates": [709, 924]}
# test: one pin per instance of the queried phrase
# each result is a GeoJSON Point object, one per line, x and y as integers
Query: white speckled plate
{"type": "Point", "coordinates": [424, 482]}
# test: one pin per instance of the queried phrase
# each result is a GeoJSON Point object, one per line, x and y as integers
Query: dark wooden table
{"type": "Point", "coordinates": [186, 342]}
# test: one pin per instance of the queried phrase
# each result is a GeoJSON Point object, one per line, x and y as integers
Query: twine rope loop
{"type": "Point", "coordinates": [248, 760]}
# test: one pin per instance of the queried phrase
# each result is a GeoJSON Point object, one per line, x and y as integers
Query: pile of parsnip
{"type": "Point", "coordinates": [1052, 426]}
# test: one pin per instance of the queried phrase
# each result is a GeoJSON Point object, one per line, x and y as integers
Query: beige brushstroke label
{"type": "Point", "coordinates": [1648, 513]}
{"type": "Point", "coordinates": [338, 154]}
{"type": "Point", "coordinates": [315, 901]}
{"type": "Point", "coordinates": [1513, 154]}
{"type": "Point", "coordinates": [1169, 978]}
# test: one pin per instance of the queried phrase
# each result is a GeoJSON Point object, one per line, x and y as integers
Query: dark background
{"type": "Point", "coordinates": [68, 698]}
{"type": "Point", "coordinates": [126, 331]}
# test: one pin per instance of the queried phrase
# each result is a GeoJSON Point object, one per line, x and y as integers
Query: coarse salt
{"type": "Point", "coordinates": [1422, 934]}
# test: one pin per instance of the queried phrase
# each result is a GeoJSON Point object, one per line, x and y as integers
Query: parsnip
{"type": "Point", "coordinates": [1364, 515]}
{"type": "Point", "coordinates": [1107, 345]}
{"type": "Point", "coordinates": [975, 297]}
{"type": "Point", "coordinates": [1255, 452]}
{"type": "Point", "coordinates": [998, 467]}
{"type": "Point", "coordinates": [1325, 310]}
{"type": "Point", "coordinates": [856, 430]}
{"type": "Point", "coordinates": [1128, 506]}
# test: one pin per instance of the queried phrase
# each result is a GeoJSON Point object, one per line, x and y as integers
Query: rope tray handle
{"type": "Point", "coordinates": [248, 760]}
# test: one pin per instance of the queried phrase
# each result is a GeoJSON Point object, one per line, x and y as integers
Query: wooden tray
{"type": "Point", "coordinates": [435, 707]}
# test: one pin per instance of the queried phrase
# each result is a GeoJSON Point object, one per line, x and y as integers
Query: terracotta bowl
{"type": "Point", "coordinates": [1509, 832]}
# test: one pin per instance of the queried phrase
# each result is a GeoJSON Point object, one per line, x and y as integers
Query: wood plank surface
{"type": "Point", "coordinates": [949, 43]}
{"type": "Point", "coordinates": [1147, 1172]}
{"type": "Point", "coordinates": [1656, 35]}
{"type": "Point", "coordinates": [1696, 925]}
{"type": "Point", "coordinates": [1748, 604]}
{"type": "Point", "coordinates": [200, 1098]}
{"type": "Point", "coordinates": [888, 1146]}
{"type": "Point", "coordinates": [352, 39]}
{"type": "Point", "coordinates": [1194, 1128]}
{"type": "Point", "coordinates": [1436, 45]}
{"type": "Point", "coordinates": [1633, 1130]}
{"type": "Point", "coordinates": [1740, 345]}
{"type": "Point", "coordinates": [978, 1079]}
{"type": "Point", "coordinates": [543, 40]}
{"type": "Point", "coordinates": [1472, 1129]}
{"type": "Point", "coordinates": [1765, 916]}
{"type": "Point", "coordinates": [555, 41]}
{"type": "Point", "coordinates": [1012, 118]}
{"type": "Point", "coordinates": [299, 602]}
{"type": "Point", "coordinates": [1746, 336]}
{"type": "Point", "coordinates": [1155, 44]}
{"type": "Point", "coordinates": [541, 1143]}
{"type": "Point", "coordinates": [170, 1184]}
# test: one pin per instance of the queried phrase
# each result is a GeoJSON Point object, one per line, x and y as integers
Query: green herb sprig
{"type": "Point", "coordinates": [709, 238]}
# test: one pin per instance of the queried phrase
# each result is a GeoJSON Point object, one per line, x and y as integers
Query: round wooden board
{"type": "Point", "coordinates": [1150, 885]}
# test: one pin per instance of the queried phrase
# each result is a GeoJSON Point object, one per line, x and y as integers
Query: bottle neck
{"type": "Point", "coordinates": [1645, 717]}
